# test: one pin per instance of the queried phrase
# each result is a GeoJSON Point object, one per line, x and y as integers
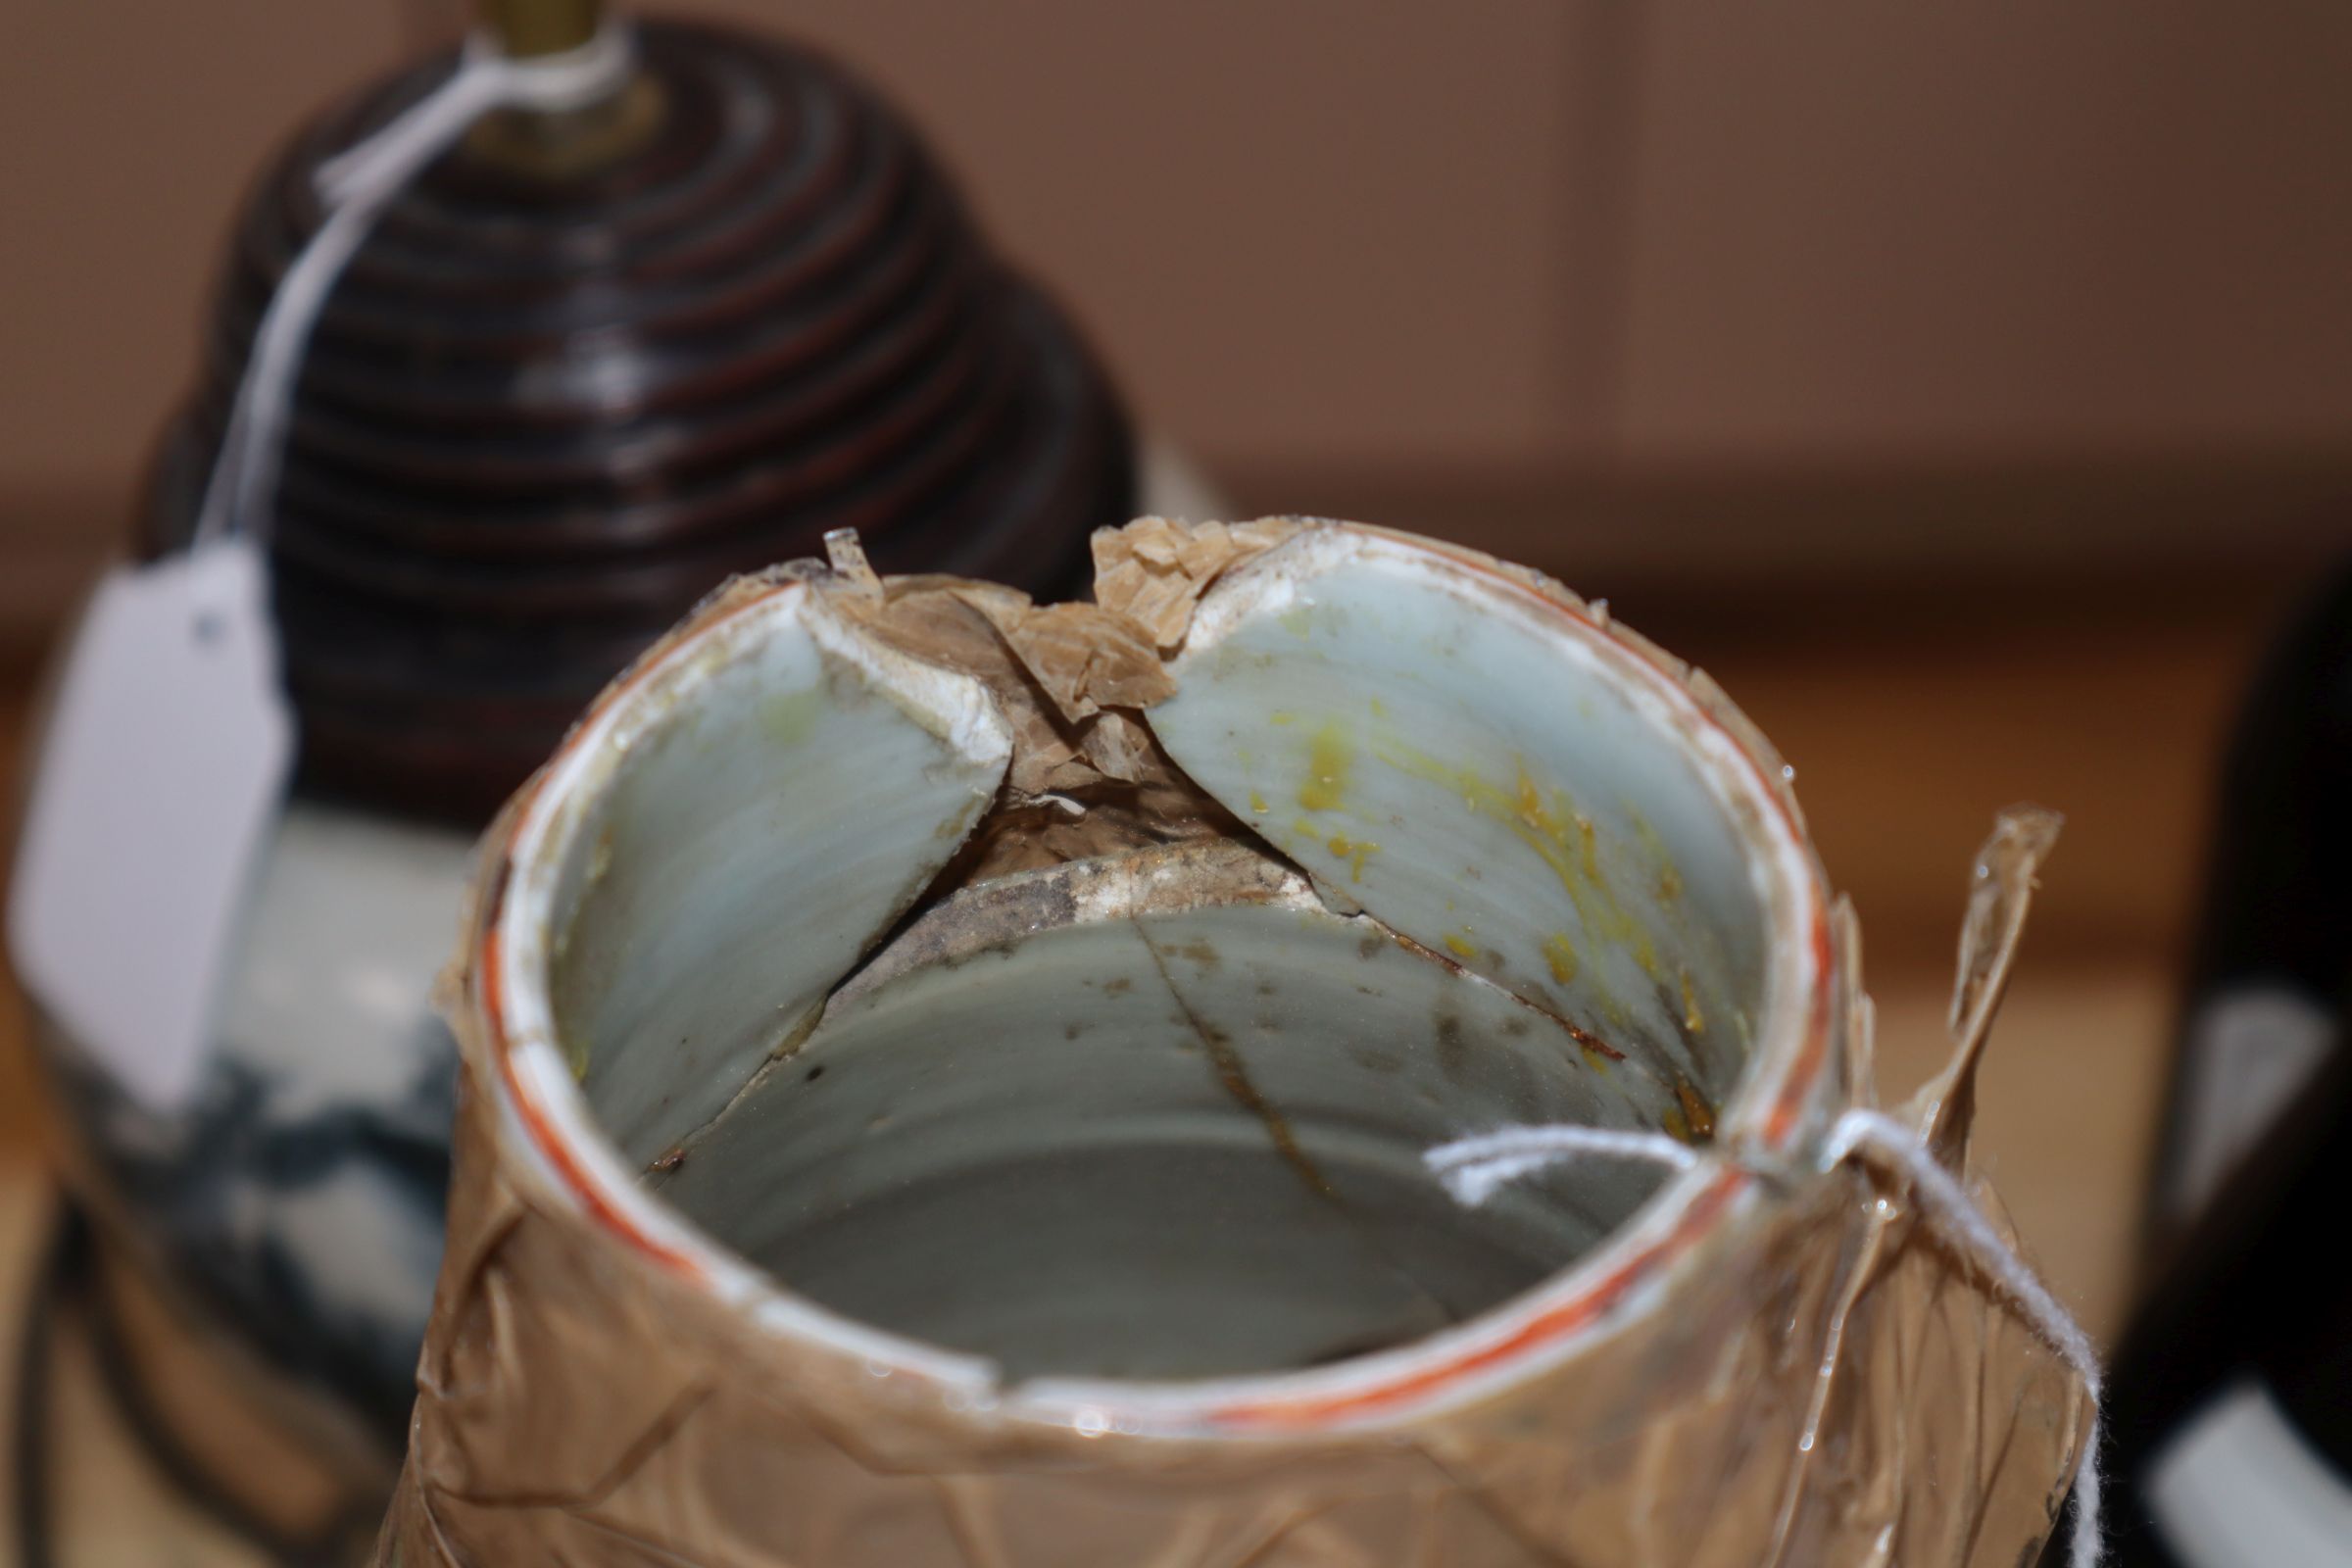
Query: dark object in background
{"type": "Point", "coordinates": [585, 366]}
{"type": "Point", "coordinates": [2273, 957]}
{"type": "Point", "coordinates": [582, 370]}
{"type": "Point", "coordinates": [2229, 1403]}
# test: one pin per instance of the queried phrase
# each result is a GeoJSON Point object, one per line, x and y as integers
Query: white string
{"type": "Point", "coordinates": [1949, 1208]}
{"type": "Point", "coordinates": [1474, 1168]}
{"type": "Point", "coordinates": [355, 185]}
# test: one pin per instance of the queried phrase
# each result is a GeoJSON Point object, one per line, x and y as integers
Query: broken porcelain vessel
{"type": "Point", "coordinates": [960, 1072]}
{"type": "Point", "coordinates": [1159, 1112]}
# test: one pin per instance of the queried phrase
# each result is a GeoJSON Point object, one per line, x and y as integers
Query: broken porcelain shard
{"type": "Point", "coordinates": [948, 1081]}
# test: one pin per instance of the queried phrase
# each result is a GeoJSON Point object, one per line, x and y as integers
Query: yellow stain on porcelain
{"type": "Point", "coordinates": [1560, 955]}
{"type": "Point", "coordinates": [1690, 1119]}
{"type": "Point", "coordinates": [788, 717]}
{"type": "Point", "coordinates": [1330, 755]}
{"type": "Point", "coordinates": [1355, 852]}
{"type": "Point", "coordinates": [1546, 819]}
{"type": "Point", "coordinates": [1565, 839]}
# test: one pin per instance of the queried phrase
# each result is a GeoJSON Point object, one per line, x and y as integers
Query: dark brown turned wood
{"type": "Point", "coordinates": [549, 407]}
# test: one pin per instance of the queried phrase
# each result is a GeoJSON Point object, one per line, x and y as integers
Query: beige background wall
{"type": "Point", "coordinates": [1504, 236]}
{"type": "Point", "coordinates": [1878, 350]}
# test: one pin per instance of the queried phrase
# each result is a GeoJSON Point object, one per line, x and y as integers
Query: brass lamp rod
{"type": "Point", "coordinates": [528, 27]}
{"type": "Point", "coordinates": [562, 143]}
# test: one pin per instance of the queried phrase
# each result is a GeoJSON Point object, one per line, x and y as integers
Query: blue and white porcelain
{"type": "Point", "coordinates": [296, 1199]}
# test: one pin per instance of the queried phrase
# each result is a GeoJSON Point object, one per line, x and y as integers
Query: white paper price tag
{"type": "Point", "coordinates": [164, 765]}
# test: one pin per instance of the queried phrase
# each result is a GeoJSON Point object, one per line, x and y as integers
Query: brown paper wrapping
{"type": "Point", "coordinates": [1814, 1381]}
{"type": "Point", "coordinates": [1153, 571]}
{"type": "Point", "coordinates": [1087, 777]}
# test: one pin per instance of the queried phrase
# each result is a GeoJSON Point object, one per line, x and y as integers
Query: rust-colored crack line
{"type": "Point", "coordinates": [1576, 1032]}
{"type": "Point", "coordinates": [1234, 1075]}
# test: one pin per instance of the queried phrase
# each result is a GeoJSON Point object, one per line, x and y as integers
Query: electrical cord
{"type": "Point", "coordinates": [64, 1257]}
{"type": "Point", "coordinates": [65, 1275]}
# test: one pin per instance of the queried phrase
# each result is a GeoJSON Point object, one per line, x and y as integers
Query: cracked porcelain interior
{"type": "Point", "coordinates": [1159, 1113]}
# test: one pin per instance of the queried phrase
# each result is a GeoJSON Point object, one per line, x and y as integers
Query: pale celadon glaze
{"type": "Point", "coordinates": [1428, 744]}
{"type": "Point", "coordinates": [1149, 1143]}
{"type": "Point", "coordinates": [775, 800]}
{"type": "Point", "coordinates": [1159, 1118]}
